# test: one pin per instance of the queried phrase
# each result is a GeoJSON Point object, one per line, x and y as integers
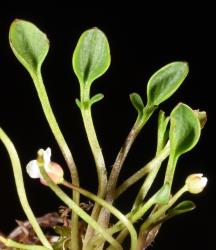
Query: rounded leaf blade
{"type": "Point", "coordinates": [91, 56]}
{"type": "Point", "coordinates": [29, 44]}
{"type": "Point", "coordinates": [166, 81]}
{"type": "Point", "coordinates": [137, 102]}
{"type": "Point", "coordinates": [184, 129]}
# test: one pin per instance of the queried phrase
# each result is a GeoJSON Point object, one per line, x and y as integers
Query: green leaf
{"type": "Point", "coordinates": [163, 195]}
{"type": "Point", "coordinates": [78, 103]}
{"type": "Point", "coordinates": [91, 56]}
{"type": "Point", "coordinates": [29, 44]}
{"type": "Point", "coordinates": [96, 98]}
{"type": "Point", "coordinates": [137, 102]}
{"type": "Point", "coordinates": [182, 207]}
{"type": "Point", "coordinates": [184, 129]}
{"type": "Point", "coordinates": [184, 134]}
{"type": "Point", "coordinates": [162, 135]}
{"type": "Point", "coordinates": [165, 82]}
{"type": "Point", "coordinates": [88, 103]}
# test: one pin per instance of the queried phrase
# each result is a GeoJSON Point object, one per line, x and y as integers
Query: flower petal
{"type": "Point", "coordinates": [47, 156]}
{"type": "Point", "coordinates": [32, 169]}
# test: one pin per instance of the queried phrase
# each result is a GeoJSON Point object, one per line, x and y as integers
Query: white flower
{"type": "Point", "coordinates": [196, 183]}
{"type": "Point", "coordinates": [32, 169]}
{"type": "Point", "coordinates": [53, 169]}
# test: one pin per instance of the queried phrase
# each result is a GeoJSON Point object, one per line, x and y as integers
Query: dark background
{"type": "Point", "coordinates": [141, 41]}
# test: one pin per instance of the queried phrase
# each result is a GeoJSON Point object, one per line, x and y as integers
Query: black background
{"type": "Point", "coordinates": [141, 41]}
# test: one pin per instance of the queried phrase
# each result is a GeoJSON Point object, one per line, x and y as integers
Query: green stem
{"type": "Point", "coordinates": [160, 212]}
{"type": "Point", "coordinates": [151, 176]}
{"type": "Point", "coordinates": [113, 178]}
{"type": "Point", "coordinates": [134, 216]}
{"type": "Point", "coordinates": [140, 213]}
{"type": "Point", "coordinates": [82, 214]}
{"type": "Point", "coordinates": [96, 151]}
{"type": "Point", "coordinates": [123, 219]}
{"type": "Point", "coordinates": [14, 244]}
{"type": "Point", "coordinates": [148, 168]}
{"type": "Point", "coordinates": [120, 159]}
{"type": "Point", "coordinates": [97, 154]}
{"type": "Point", "coordinates": [47, 109]}
{"type": "Point", "coordinates": [137, 127]}
{"type": "Point", "coordinates": [17, 170]}
{"type": "Point", "coordinates": [120, 238]}
{"type": "Point", "coordinates": [171, 166]}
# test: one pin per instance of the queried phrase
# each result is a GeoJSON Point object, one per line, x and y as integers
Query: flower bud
{"type": "Point", "coordinates": [55, 172]}
{"type": "Point", "coordinates": [196, 183]}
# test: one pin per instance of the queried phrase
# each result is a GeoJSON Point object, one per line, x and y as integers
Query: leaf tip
{"type": "Point", "coordinates": [186, 65]}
